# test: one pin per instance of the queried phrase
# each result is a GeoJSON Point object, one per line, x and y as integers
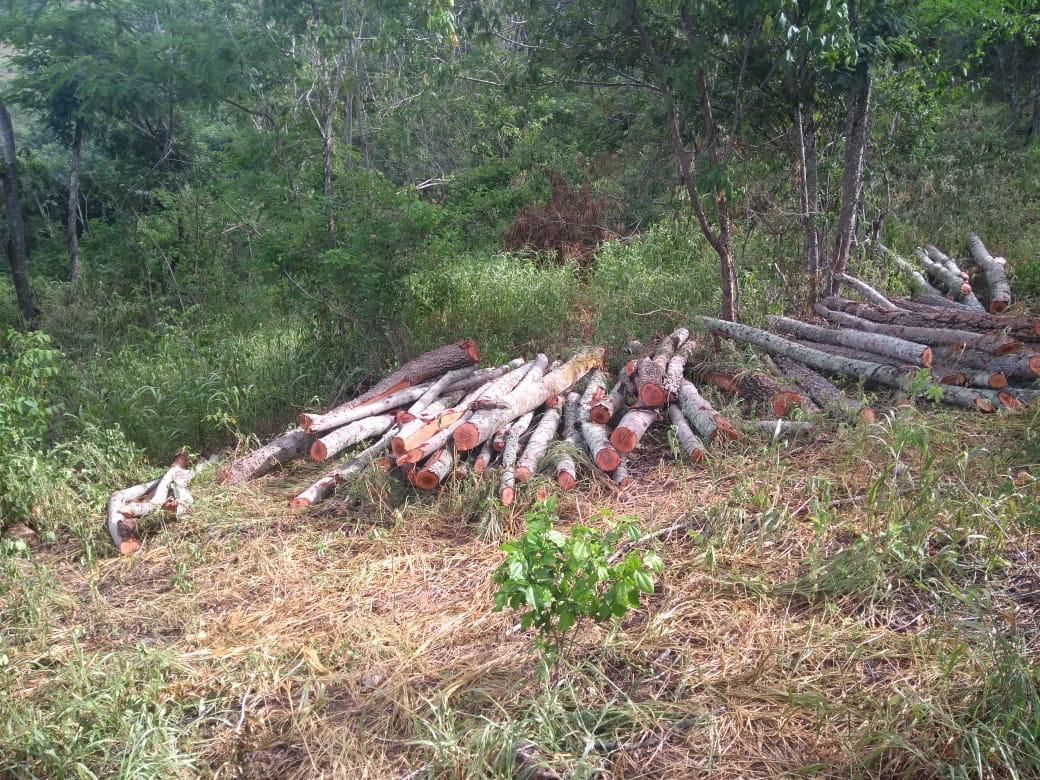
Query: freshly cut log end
{"type": "Point", "coordinates": [867, 415]}
{"type": "Point", "coordinates": [319, 451]}
{"type": "Point", "coordinates": [565, 477]}
{"type": "Point", "coordinates": [926, 357]}
{"type": "Point", "coordinates": [631, 428]}
{"type": "Point", "coordinates": [435, 471]}
{"type": "Point", "coordinates": [1009, 401]}
{"type": "Point", "coordinates": [402, 417]}
{"type": "Point", "coordinates": [607, 459]}
{"type": "Point", "coordinates": [601, 414]}
{"type": "Point", "coordinates": [998, 306]}
{"type": "Point", "coordinates": [786, 402]}
{"type": "Point", "coordinates": [129, 546]}
{"type": "Point", "coordinates": [469, 346]}
{"type": "Point", "coordinates": [1034, 364]}
{"type": "Point", "coordinates": [506, 495]}
{"type": "Point", "coordinates": [523, 474]}
{"type": "Point", "coordinates": [652, 395]}
{"type": "Point", "coordinates": [998, 380]}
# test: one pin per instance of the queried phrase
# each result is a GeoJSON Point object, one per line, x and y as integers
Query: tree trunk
{"type": "Point", "coordinates": [688, 440]}
{"type": "Point", "coordinates": [909, 352]}
{"type": "Point", "coordinates": [266, 459]}
{"type": "Point", "coordinates": [823, 392]}
{"type": "Point", "coordinates": [566, 470]}
{"type": "Point", "coordinates": [597, 442]}
{"type": "Point", "coordinates": [708, 423]}
{"type": "Point", "coordinates": [868, 292]}
{"type": "Point", "coordinates": [993, 269]}
{"type": "Point", "coordinates": [857, 135]}
{"type": "Point", "coordinates": [867, 371]}
{"type": "Point", "coordinates": [959, 339]}
{"type": "Point", "coordinates": [633, 426]}
{"type": "Point", "coordinates": [16, 247]}
{"type": "Point", "coordinates": [754, 387]}
{"type": "Point", "coordinates": [651, 371]}
{"type": "Point", "coordinates": [72, 217]}
{"type": "Point", "coordinates": [485, 422]}
{"type": "Point", "coordinates": [334, 442]}
{"type": "Point", "coordinates": [414, 372]}
{"type": "Point", "coordinates": [543, 434]}
{"type": "Point", "coordinates": [1020, 328]}
{"type": "Point", "coordinates": [809, 194]}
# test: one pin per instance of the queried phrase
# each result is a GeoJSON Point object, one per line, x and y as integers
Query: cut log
{"type": "Point", "coordinates": [953, 374]}
{"type": "Point", "coordinates": [707, 422]}
{"type": "Point", "coordinates": [909, 352]}
{"type": "Point", "coordinates": [427, 366]}
{"type": "Point", "coordinates": [868, 371]}
{"type": "Point", "coordinates": [543, 434]}
{"type": "Point", "coordinates": [267, 458]}
{"type": "Point", "coordinates": [498, 441]}
{"type": "Point", "coordinates": [960, 339]}
{"type": "Point", "coordinates": [595, 391]}
{"type": "Point", "coordinates": [125, 506]}
{"type": "Point", "coordinates": [485, 422]}
{"type": "Point", "coordinates": [1024, 366]}
{"type": "Point", "coordinates": [926, 303]}
{"type": "Point", "coordinates": [439, 387]}
{"type": "Point", "coordinates": [955, 280]}
{"type": "Point", "coordinates": [633, 426]}
{"type": "Point", "coordinates": [688, 440]}
{"type": "Point", "coordinates": [868, 292]}
{"type": "Point", "coordinates": [324, 487]}
{"type": "Point", "coordinates": [673, 374]}
{"type": "Point", "coordinates": [484, 457]}
{"type": "Point", "coordinates": [423, 442]}
{"type": "Point", "coordinates": [334, 442]}
{"type": "Point", "coordinates": [781, 428]}
{"type": "Point", "coordinates": [918, 283]}
{"type": "Point", "coordinates": [507, 488]}
{"type": "Point", "coordinates": [435, 470]}
{"type": "Point", "coordinates": [620, 475]}
{"type": "Point", "coordinates": [439, 414]}
{"type": "Point", "coordinates": [598, 444]}
{"type": "Point", "coordinates": [566, 469]}
{"type": "Point", "coordinates": [650, 371]}
{"type": "Point", "coordinates": [951, 282]}
{"type": "Point", "coordinates": [607, 407]}
{"type": "Point", "coordinates": [993, 269]}
{"type": "Point", "coordinates": [1021, 328]}
{"type": "Point", "coordinates": [754, 387]}
{"type": "Point", "coordinates": [824, 392]}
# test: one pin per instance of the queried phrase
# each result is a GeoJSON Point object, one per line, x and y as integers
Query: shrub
{"type": "Point", "coordinates": [558, 580]}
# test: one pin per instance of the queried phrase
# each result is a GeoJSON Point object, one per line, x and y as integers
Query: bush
{"type": "Point", "coordinates": [55, 468]}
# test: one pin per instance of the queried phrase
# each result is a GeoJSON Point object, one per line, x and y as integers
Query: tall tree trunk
{"type": "Point", "coordinates": [857, 133]}
{"type": "Point", "coordinates": [809, 195]}
{"type": "Point", "coordinates": [72, 223]}
{"type": "Point", "coordinates": [16, 251]}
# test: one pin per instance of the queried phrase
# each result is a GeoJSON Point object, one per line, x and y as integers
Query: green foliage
{"type": "Point", "coordinates": [558, 580]}
{"type": "Point", "coordinates": [54, 467]}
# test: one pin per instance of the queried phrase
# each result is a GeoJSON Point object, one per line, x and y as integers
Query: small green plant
{"type": "Point", "coordinates": [557, 580]}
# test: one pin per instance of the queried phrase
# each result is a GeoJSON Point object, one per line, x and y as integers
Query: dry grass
{"type": "Point", "coordinates": [361, 643]}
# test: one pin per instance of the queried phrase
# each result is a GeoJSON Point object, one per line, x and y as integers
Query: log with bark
{"type": "Point", "coordinates": [1021, 328]}
{"type": "Point", "coordinates": [631, 428]}
{"type": "Point", "coordinates": [688, 440]}
{"type": "Point", "coordinates": [868, 292]}
{"type": "Point", "coordinates": [486, 421]}
{"type": "Point", "coordinates": [416, 371]}
{"type": "Point", "coordinates": [607, 407]}
{"type": "Point", "coordinates": [998, 345]}
{"type": "Point", "coordinates": [755, 387]}
{"type": "Point", "coordinates": [566, 469]}
{"type": "Point", "coordinates": [1023, 366]}
{"type": "Point", "coordinates": [435, 470]}
{"type": "Point", "coordinates": [674, 372]}
{"type": "Point", "coordinates": [707, 422]}
{"type": "Point", "coordinates": [620, 475]}
{"type": "Point", "coordinates": [868, 371]}
{"type": "Point", "coordinates": [484, 457]}
{"type": "Point", "coordinates": [543, 434]}
{"type": "Point", "coordinates": [949, 281]}
{"type": "Point", "coordinates": [824, 392]}
{"type": "Point", "coordinates": [352, 468]}
{"type": "Point", "coordinates": [169, 492]}
{"type": "Point", "coordinates": [781, 428]}
{"type": "Point", "coordinates": [507, 488]}
{"type": "Point", "coordinates": [911, 353]}
{"type": "Point", "coordinates": [926, 303]}
{"type": "Point", "coordinates": [334, 442]}
{"type": "Point", "coordinates": [651, 370]}
{"type": "Point", "coordinates": [920, 285]}
{"type": "Point", "coordinates": [266, 459]}
{"type": "Point", "coordinates": [993, 270]}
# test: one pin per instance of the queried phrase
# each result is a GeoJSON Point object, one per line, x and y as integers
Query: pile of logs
{"type": "Point", "coordinates": [977, 356]}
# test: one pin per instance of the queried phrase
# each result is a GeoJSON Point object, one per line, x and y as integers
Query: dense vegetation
{"type": "Point", "coordinates": [217, 213]}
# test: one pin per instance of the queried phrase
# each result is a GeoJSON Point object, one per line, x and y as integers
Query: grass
{"type": "Point", "coordinates": [817, 618]}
